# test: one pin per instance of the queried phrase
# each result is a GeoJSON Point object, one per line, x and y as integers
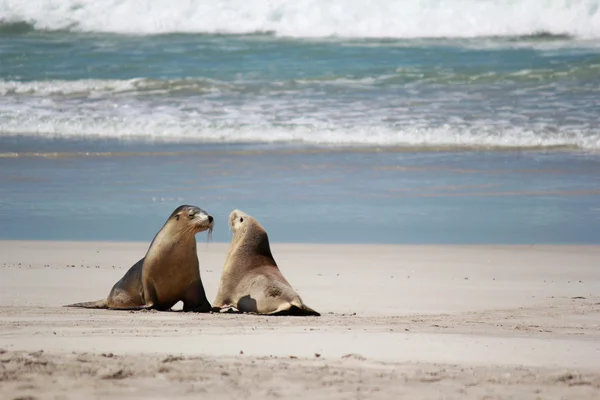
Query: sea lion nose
{"type": "Point", "coordinates": [210, 219]}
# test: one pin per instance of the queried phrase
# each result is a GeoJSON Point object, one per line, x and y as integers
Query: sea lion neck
{"type": "Point", "coordinates": [254, 240]}
{"type": "Point", "coordinates": [177, 235]}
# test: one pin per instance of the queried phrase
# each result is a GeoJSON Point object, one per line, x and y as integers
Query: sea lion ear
{"type": "Point", "coordinates": [177, 217]}
{"type": "Point", "coordinates": [241, 219]}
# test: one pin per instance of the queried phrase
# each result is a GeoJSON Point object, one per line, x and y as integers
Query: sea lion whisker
{"type": "Point", "coordinates": [189, 233]}
{"type": "Point", "coordinates": [183, 232]}
{"type": "Point", "coordinates": [193, 230]}
{"type": "Point", "coordinates": [209, 234]}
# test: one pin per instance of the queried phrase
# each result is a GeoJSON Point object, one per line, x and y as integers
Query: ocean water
{"type": "Point", "coordinates": [457, 121]}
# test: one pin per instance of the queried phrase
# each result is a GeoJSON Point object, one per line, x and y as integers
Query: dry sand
{"type": "Point", "coordinates": [452, 322]}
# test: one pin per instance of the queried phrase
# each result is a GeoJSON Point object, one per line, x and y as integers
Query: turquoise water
{"type": "Point", "coordinates": [475, 122]}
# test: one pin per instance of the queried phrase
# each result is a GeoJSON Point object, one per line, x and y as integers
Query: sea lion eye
{"type": "Point", "coordinates": [241, 219]}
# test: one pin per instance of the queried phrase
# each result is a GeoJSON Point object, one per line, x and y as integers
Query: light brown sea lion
{"type": "Point", "coordinates": [251, 281]}
{"type": "Point", "coordinates": [168, 273]}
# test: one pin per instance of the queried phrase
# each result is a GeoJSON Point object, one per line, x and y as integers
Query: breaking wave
{"type": "Point", "coordinates": [309, 18]}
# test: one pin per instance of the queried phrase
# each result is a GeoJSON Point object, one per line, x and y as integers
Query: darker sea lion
{"type": "Point", "coordinates": [168, 273]}
{"type": "Point", "coordinates": [251, 281]}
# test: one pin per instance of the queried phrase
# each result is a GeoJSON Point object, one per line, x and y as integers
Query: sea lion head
{"type": "Point", "coordinates": [240, 223]}
{"type": "Point", "coordinates": [248, 233]}
{"type": "Point", "coordinates": [191, 219]}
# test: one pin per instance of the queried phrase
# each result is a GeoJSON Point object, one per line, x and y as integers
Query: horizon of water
{"type": "Point", "coordinates": [335, 121]}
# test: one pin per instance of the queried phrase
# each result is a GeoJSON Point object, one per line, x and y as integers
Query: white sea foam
{"type": "Point", "coordinates": [313, 18]}
{"type": "Point", "coordinates": [207, 110]}
{"type": "Point", "coordinates": [92, 87]}
{"type": "Point", "coordinates": [163, 127]}
{"type": "Point", "coordinates": [78, 87]}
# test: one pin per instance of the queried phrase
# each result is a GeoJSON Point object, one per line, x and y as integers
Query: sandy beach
{"type": "Point", "coordinates": [427, 173]}
{"type": "Point", "coordinates": [450, 322]}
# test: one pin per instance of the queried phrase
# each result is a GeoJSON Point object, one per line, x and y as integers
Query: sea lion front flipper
{"type": "Point", "coordinates": [195, 300]}
{"type": "Point", "coordinates": [148, 293]}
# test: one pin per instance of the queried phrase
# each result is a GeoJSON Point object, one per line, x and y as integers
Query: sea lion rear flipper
{"type": "Point", "coordinates": [306, 310]}
{"type": "Point", "coordinates": [134, 308]}
{"type": "Point", "coordinates": [303, 309]}
{"type": "Point", "coordinates": [90, 304]}
{"type": "Point", "coordinates": [296, 308]}
{"type": "Point", "coordinates": [103, 304]}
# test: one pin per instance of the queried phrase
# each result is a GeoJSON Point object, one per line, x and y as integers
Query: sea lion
{"type": "Point", "coordinates": [168, 273]}
{"type": "Point", "coordinates": [251, 281]}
